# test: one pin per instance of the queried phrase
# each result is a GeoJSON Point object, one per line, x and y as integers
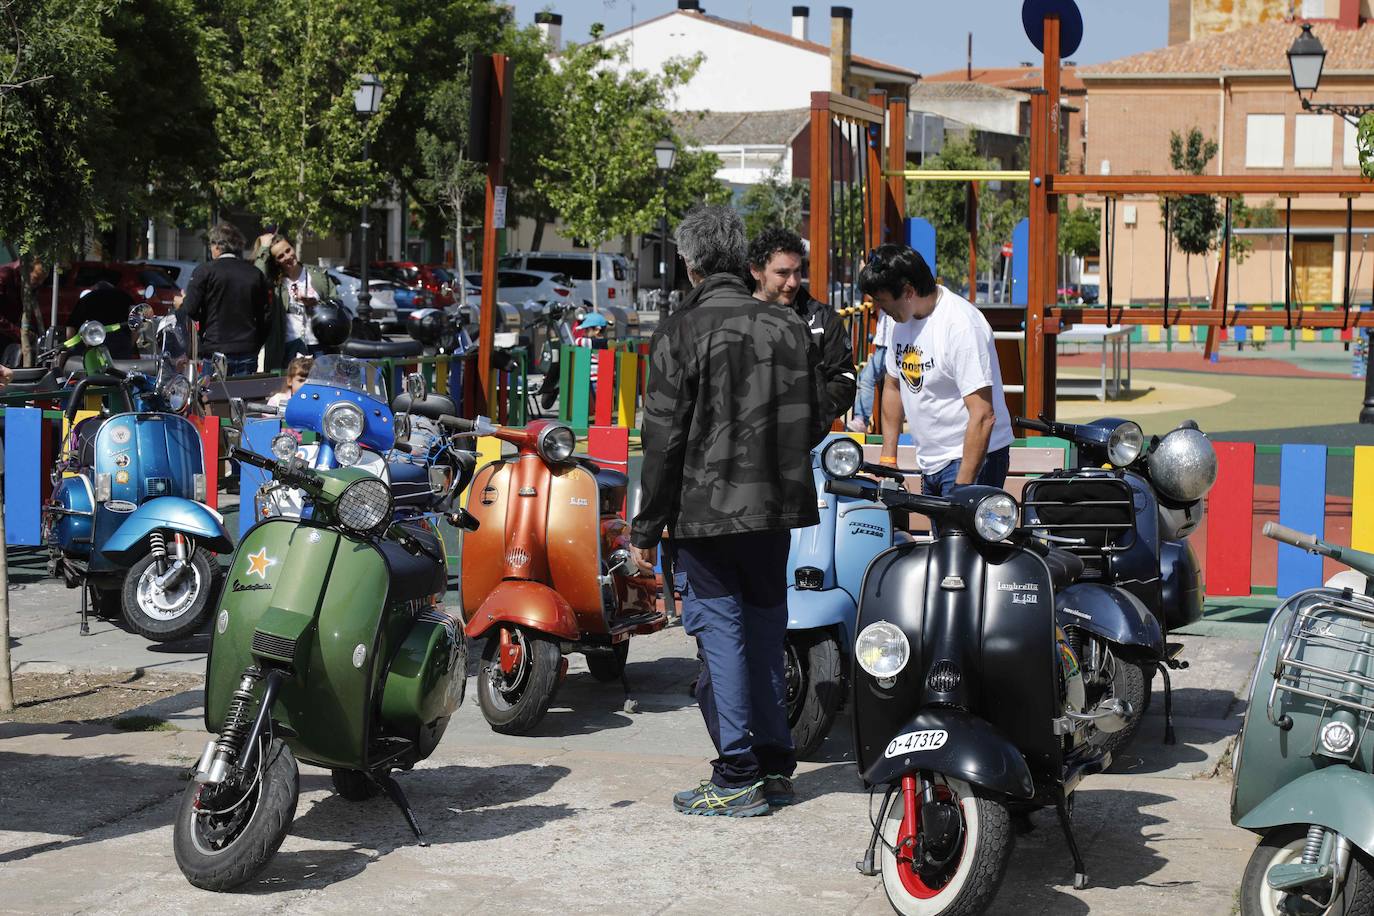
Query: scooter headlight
{"type": "Point", "coordinates": [882, 650]}
{"type": "Point", "coordinates": [364, 506]}
{"type": "Point", "coordinates": [348, 453]}
{"type": "Point", "coordinates": [284, 446]}
{"type": "Point", "coordinates": [1124, 444]}
{"type": "Point", "coordinates": [343, 421]}
{"type": "Point", "coordinates": [842, 458]}
{"type": "Point", "coordinates": [556, 443]}
{"type": "Point", "coordinates": [176, 391]}
{"type": "Point", "coordinates": [995, 518]}
{"type": "Point", "coordinates": [92, 333]}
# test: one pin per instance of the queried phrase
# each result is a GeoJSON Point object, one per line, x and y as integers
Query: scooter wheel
{"type": "Point", "coordinates": [171, 614]}
{"type": "Point", "coordinates": [1284, 845]}
{"type": "Point", "coordinates": [609, 666]}
{"type": "Point", "coordinates": [813, 672]}
{"type": "Point", "coordinates": [513, 703]}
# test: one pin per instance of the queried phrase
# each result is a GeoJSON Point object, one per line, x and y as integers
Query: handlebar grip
{"type": "Point", "coordinates": [457, 424]}
{"type": "Point", "coordinates": [847, 488]}
{"type": "Point", "coordinates": [1038, 425]}
{"type": "Point", "coordinates": [253, 458]}
{"type": "Point", "coordinates": [1287, 535]}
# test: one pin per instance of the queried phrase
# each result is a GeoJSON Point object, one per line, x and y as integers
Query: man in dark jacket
{"type": "Point", "coordinates": [775, 261]}
{"type": "Point", "coordinates": [229, 297]}
{"type": "Point", "coordinates": [730, 417]}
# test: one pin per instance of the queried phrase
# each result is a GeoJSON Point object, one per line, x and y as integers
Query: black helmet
{"type": "Point", "coordinates": [426, 326]}
{"type": "Point", "coordinates": [330, 324]}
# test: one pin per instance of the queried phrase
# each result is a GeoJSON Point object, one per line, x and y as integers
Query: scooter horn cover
{"type": "Point", "coordinates": [1184, 465]}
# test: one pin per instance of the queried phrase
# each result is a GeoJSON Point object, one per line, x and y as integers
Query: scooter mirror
{"type": "Point", "coordinates": [237, 410]}
{"type": "Point", "coordinates": [415, 387]}
{"type": "Point", "coordinates": [139, 314]}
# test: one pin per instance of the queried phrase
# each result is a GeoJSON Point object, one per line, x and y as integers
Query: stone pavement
{"type": "Point", "coordinates": [577, 818]}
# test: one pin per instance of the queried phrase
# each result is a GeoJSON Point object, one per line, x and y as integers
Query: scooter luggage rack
{"type": "Point", "coordinates": [1335, 625]}
{"type": "Point", "coordinates": [1111, 518]}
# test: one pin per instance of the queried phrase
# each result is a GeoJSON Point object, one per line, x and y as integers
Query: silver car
{"type": "Point", "coordinates": [383, 292]}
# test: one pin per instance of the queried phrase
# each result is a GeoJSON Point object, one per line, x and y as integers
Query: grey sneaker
{"type": "Point", "coordinates": [778, 790]}
{"type": "Point", "coordinates": [710, 799]}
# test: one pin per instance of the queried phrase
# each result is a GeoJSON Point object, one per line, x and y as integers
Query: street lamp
{"type": "Point", "coordinates": [367, 100]}
{"type": "Point", "coordinates": [1306, 58]}
{"type": "Point", "coordinates": [665, 151]}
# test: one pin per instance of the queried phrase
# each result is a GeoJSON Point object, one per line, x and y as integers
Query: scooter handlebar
{"type": "Point", "coordinates": [457, 424]}
{"type": "Point", "coordinates": [246, 457]}
{"type": "Point", "coordinates": [1038, 425]}
{"type": "Point", "coordinates": [1299, 539]}
{"type": "Point", "coordinates": [853, 488]}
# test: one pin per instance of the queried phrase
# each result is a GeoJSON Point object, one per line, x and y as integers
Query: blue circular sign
{"type": "Point", "coordinates": [1033, 13]}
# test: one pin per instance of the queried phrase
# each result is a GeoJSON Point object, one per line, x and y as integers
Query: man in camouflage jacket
{"type": "Point", "coordinates": [730, 417]}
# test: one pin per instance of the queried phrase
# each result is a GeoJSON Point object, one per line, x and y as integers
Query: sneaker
{"type": "Point", "coordinates": [778, 791]}
{"type": "Point", "coordinates": [710, 799]}
{"type": "Point", "coordinates": [856, 425]}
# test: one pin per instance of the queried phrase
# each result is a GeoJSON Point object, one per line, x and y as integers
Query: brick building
{"type": "Point", "coordinates": [1235, 87]}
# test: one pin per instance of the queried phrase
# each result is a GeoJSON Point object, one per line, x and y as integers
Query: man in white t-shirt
{"type": "Point", "coordinates": [943, 376]}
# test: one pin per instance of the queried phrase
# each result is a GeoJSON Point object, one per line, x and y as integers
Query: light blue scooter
{"type": "Point", "coordinates": [826, 567]}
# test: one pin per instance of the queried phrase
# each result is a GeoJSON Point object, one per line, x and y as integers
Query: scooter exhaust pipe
{"type": "Point", "coordinates": [1109, 717]}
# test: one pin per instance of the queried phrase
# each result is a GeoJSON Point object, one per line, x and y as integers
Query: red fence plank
{"type": "Point", "coordinates": [609, 446]}
{"type": "Point", "coordinates": [209, 446]}
{"type": "Point", "coordinates": [1230, 517]}
{"type": "Point", "coordinates": [605, 386]}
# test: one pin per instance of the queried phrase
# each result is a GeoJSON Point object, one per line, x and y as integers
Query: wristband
{"type": "Point", "coordinates": [889, 461]}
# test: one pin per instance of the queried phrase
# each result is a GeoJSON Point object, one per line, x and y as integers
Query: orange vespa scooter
{"type": "Point", "coordinates": [548, 572]}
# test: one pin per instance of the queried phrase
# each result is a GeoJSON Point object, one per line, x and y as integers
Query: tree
{"type": "Point", "coordinates": [1364, 143]}
{"type": "Point", "coordinates": [601, 177]}
{"type": "Point", "coordinates": [1195, 217]}
{"type": "Point", "coordinates": [450, 176]}
{"type": "Point", "coordinates": [1080, 230]}
{"type": "Point", "coordinates": [774, 202]}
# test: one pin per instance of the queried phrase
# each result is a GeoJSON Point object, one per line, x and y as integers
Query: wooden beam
{"type": "Point", "coordinates": [845, 107]}
{"type": "Point", "coordinates": [1247, 318]}
{"type": "Point", "coordinates": [820, 194]}
{"type": "Point", "coordinates": [502, 93]}
{"type": "Point", "coordinates": [1035, 302]}
{"type": "Point", "coordinates": [896, 161]}
{"type": "Point", "coordinates": [1153, 185]}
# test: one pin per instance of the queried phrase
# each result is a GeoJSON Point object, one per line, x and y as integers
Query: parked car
{"type": "Point", "coordinates": [520, 286]}
{"type": "Point", "coordinates": [429, 277]}
{"type": "Point", "coordinates": [179, 272]}
{"type": "Point", "coordinates": [383, 301]}
{"type": "Point", "coordinates": [613, 275]}
{"type": "Point", "coordinates": [134, 279]}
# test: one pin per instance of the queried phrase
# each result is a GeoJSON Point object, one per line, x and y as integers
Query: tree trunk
{"type": "Point", "coordinates": [1188, 275]}
{"type": "Point", "coordinates": [596, 277]}
{"type": "Point", "coordinates": [458, 265]}
{"type": "Point", "coordinates": [539, 223]}
{"type": "Point", "coordinates": [6, 676]}
{"type": "Point", "coordinates": [28, 327]}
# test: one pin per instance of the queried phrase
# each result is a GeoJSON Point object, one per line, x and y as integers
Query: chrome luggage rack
{"type": "Point", "coordinates": [1336, 626]}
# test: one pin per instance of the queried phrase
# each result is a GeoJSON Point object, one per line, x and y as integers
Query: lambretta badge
{"type": "Point", "coordinates": [930, 739]}
{"type": "Point", "coordinates": [1069, 610]}
{"type": "Point", "coordinates": [952, 583]}
{"type": "Point", "coordinates": [1021, 592]}
{"type": "Point", "coordinates": [120, 435]}
{"type": "Point", "coordinates": [865, 528]}
{"type": "Point", "coordinates": [577, 501]}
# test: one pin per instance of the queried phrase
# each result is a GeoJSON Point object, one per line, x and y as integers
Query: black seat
{"type": "Point", "coordinates": [1065, 568]}
{"type": "Point", "coordinates": [28, 376]}
{"type": "Point", "coordinates": [414, 576]}
{"type": "Point", "coordinates": [606, 479]}
{"type": "Point", "coordinates": [433, 406]}
{"type": "Point", "coordinates": [409, 485]}
{"type": "Point", "coordinates": [382, 349]}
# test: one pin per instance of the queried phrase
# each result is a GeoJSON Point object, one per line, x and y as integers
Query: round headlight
{"type": "Point", "coordinates": [348, 453]}
{"type": "Point", "coordinates": [882, 650]}
{"type": "Point", "coordinates": [176, 391]}
{"type": "Point", "coordinates": [556, 443]}
{"type": "Point", "coordinates": [92, 333]}
{"type": "Point", "coordinates": [1124, 444]}
{"type": "Point", "coordinates": [1337, 737]}
{"type": "Point", "coordinates": [284, 446]}
{"type": "Point", "coordinates": [995, 518]}
{"type": "Point", "coordinates": [343, 421]}
{"type": "Point", "coordinates": [364, 506]}
{"type": "Point", "coordinates": [842, 458]}
{"type": "Point", "coordinates": [1183, 465]}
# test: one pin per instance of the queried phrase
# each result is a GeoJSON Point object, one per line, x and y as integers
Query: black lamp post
{"type": "Point", "coordinates": [1306, 58]}
{"type": "Point", "coordinates": [665, 151]}
{"type": "Point", "coordinates": [367, 99]}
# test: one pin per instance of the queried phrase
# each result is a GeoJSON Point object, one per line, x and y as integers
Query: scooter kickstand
{"type": "Point", "coordinates": [1169, 737]}
{"type": "Point", "coordinates": [85, 596]}
{"type": "Point", "coordinates": [631, 704]}
{"type": "Point", "coordinates": [398, 796]}
{"type": "Point", "coordinates": [1080, 871]}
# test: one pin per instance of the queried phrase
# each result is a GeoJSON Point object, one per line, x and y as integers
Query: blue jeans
{"type": "Point", "coordinates": [868, 383]}
{"type": "Point", "coordinates": [993, 473]}
{"type": "Point", "coordinates": [242, 363]}
{"type": "Point", "coordinates": [735, 605]}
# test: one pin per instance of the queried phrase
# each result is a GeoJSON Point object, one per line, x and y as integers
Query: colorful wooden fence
{"type": "Point", "coordinates": [603, 386]}
{"type": "Point", "coordinates": [1182, 333]}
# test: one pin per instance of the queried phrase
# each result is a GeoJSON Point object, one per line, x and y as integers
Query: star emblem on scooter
{"type": "Point", "coordinates": [259, 562]}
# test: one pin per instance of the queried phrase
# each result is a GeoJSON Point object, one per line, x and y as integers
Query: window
{"type": "Point", "coordinates": [156, 278]}
{"type": "Point", "coordinates": [1264, 141]}
{"type": "Point", "coordinates": [1351, 157]}
{"type": "Point", "coordinates": [1312, 139]}
{"type": "Point", "coordinates": [577, 268]}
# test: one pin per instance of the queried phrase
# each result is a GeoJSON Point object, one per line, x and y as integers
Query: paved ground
{"type": "Point", "coordinates": [577, 818]}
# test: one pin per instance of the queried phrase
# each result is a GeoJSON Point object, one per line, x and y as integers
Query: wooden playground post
{"type": "Point", "coordinates": [895, 213]}
{"type": "Point", "coordinates": [498, 149]}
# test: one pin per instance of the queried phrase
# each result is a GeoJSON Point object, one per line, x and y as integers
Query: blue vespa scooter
{"type": "Point", "coordinates": [127, 520]}
{"type": "Point", "coordinates": [826, 566]}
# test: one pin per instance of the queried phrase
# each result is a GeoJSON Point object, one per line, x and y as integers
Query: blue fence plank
{"type": "Point", "coordinates": [920, 235]}
{"type": "Point", "coordinates": [1020, 262]}
{"type": "Point", "coordinates": [257, 437]}
{"type": "Point", "coordinates": [23, 478]}
{"type": "Point", "coordinates": [1302, 506]}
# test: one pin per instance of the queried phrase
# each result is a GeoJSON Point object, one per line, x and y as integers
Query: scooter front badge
{"type": "Point", "coordinates": [258, 564]}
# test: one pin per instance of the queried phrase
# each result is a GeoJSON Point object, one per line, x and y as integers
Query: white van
{"type": "Point", "coordinates": [613, 277]}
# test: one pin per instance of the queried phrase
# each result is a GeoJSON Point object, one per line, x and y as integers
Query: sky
{"type": "Point", "coordinates": [928, 36]}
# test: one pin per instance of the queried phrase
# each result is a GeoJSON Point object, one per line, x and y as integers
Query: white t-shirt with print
{"type": "Point", "coordinates": [297, 315]}
{"type": "Point", "coordinates": [883, 333]}
{"type": "Point", "coordinates": [937, 362]}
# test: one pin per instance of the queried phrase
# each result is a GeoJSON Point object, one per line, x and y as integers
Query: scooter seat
{"type": "Point", "coordinates": [28, 376]}
{"type": "Point", "coordinates": [381, 349]}
{"type": "Point", "coordinates": [1065, 568]}
{"type": "Point", "coordinates": [606, 479]}
{"type": "Point", "coordinates": [414, 575]}
{"type": "Point", "coordinates": [409, 485]}
{"type": "Point", "coordinates": [433, 406]}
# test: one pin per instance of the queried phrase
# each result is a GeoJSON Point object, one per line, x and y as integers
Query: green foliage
{"type": "Point", "coordinates": [774, 202]}
{"type": "Point", "coordinates": [1080, 230]}
{"type": "Point", "coordinates": [1364, 144]}
{"type": "Point", "coordinates": [1196, 217]}
{"type": "Point", "coordinates": [1265, 216]}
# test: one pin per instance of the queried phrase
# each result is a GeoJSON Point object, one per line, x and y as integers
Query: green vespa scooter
{"type": "Point", "coordinates": [1303, 762]}
{"type": "Point", "coordinates": [331, 645]}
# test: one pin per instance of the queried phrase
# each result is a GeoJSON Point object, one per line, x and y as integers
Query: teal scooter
{"type": "Point", "coordinates": [1304, 770]}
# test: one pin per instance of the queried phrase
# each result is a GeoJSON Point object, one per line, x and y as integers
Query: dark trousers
{"type": "Point", "coordinates": [736, 607]}
{"type": "Point", "coordinates": [992, 473]}
{"type": "Point", "coordinates": [242, 364]}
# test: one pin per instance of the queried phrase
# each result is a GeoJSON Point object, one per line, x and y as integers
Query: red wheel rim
{"type": "Point", "coordinates": [912, 882]}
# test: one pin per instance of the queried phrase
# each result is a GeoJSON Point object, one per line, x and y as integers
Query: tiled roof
{"type": "Point", "coordinates": [1023, 78]}
{"type": "Point", "coordinates": [965, 92]}
{"type": "Point", "coordinates": [1260, 47]}
{"type": "Point", "coordinates": [782, 37]}
{"type": "Point", "coordinates": [741, 128]}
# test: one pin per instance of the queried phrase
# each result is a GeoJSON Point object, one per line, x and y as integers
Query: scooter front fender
{"type": "Point", "coordinates": [809, 609]}
{"type": "Point", "coordinates": [526, 604]}
{"type": "Point", "coordinates": [956, 744]}
{"type": "Point", "coordinates": [173, 513]}
{"type": "Point", "coordinates": [1111, 613]}
{"type": "Point", "coordinates": [1337, 798]}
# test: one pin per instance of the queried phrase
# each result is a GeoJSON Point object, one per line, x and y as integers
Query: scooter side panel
{"type": "Point", "coordinates": [425, 683]}
{"type": "Point", "coordinates": [484, 550]}
{"type": "Point", "coordinates": [957, 744]}
{"type": "Point", "coordinates": [72, 533]}
{"type": "Point", "coordinates": [1181, 597]}
{"type": "Point", "coordinates": [808, 609]}
{"type": "Point", "coordinates": [1112, 613]}
{"type": "Point", "coordinates": [1337, 798]}
{"type": "Point", "coordinates": [814, 546]}
{"type": "Point", "coordinates": [187, 516]}
{"type": "Point", "coordinates": [574, 544]}
{"type": "Point", "coordinates": [862, 531]}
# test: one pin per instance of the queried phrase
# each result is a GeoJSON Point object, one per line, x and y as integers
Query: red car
{"type": "Point", "coordinates": [429, 277]}
{"type": "Point", "coordinates": [134, 279]}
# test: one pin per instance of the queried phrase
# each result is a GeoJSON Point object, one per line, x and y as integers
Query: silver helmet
{"type": "Point", "coordinates": [1184, 465]}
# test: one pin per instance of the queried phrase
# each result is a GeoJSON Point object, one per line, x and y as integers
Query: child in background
{"type": "Point", "coordinates": [297, 371]}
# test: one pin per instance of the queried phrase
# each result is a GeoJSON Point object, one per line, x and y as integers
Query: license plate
{"type": "Point", "coordinates": [913, 742]}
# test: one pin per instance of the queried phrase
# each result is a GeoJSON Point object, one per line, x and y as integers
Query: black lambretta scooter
{"type": "Point", "coordinates": [1126, 509]}
{"type": "Point", "coordinates": [969, 702]}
